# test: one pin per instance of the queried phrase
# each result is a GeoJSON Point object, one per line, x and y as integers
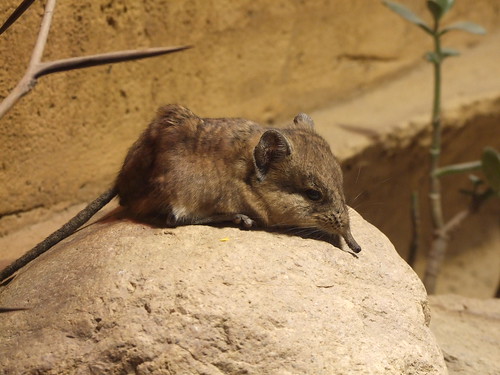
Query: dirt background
{"type": "Point", "coordinates": [353, 64]}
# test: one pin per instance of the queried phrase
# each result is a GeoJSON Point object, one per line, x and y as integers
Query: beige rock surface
{"type": "Point", "coordinates": [468, 332]}
{"type": "Point", "coordinates": [122, 297]}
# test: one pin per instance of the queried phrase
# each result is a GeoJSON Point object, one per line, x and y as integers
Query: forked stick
{"type": "Point", "coordinates": [37, 68]}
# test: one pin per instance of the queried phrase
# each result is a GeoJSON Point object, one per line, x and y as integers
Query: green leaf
{"type": "Point", "coordinates": [457, 168]}
{"type": "Point", "coordinates": [470, 27]}
{"type": "Point", "coordinates": [435, 9]}
{"type": "Point", "coordinates": [408, 15]}
{"type": "Point", "coordinates": [447, 52]}
{"type": "Point", "coordinates": [432, 57]}
{"type": "Point", "coordinates": [445, 5]}
{"type": "Point", "coordinates": [491, 168]}
{"type": "Point", "coordinates": [439, 8]}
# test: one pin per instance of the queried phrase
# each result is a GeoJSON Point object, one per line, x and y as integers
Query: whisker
{"type": "Point", "coordinates": [364, 205]}
{"type": "Point", "coordinates": [357, 196]}
{"type": "Point", "coordinates": [357, 176]}
{"type": "Point", "coordinates": [296, 230]}
{"type": "Point", "coordinates": [382, 182]}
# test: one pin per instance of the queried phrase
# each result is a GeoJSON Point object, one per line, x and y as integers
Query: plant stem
{"type": "Point", "coordinates": [440, 239]}
{"type": "Point", "coordinates": [415, 221]}
{"type": "Point", "coordinates": [435, 151]}
{"type": "Point", "coordinates": [440, 242]}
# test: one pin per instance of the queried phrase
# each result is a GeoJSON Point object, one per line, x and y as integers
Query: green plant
{"type": "Point", "coordinates": [490, 162]}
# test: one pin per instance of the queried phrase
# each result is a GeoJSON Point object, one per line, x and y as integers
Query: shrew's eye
{"type": "Point", "coordinates": [313, 195]}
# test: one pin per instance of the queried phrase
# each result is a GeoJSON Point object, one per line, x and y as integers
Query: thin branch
{"type": "Point", "coordinates": [438, 249]}
{"type": "Point", "coordinates": [101, 59]}
{"type": "Point", "coordinates": [15, 15]}
{"type": "Point", "coordinates": [434, 262]}
{"type": "Point", "coordinates": [453, 224]}
{"type": "Point", "coordinates": [442, 238]}
{"type": "Point", "coordinates": [12, 309]}
{"type": "Point", "coordinates": [41, 69]}
{"type": "Point", "coordinates": [36, 57]}
{"type": "Point", "coordinates": [27, 82]}
{"type": "Point", "coordinates": [37, 69]}
{"type": "Point", "coordinates": [21, 89]}
{"type": "Point", "coordinates": [415, 221]}
{"type": "Point", "coordinates": [71, 226]}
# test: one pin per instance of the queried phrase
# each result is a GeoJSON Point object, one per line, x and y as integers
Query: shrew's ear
{"type": "Point", "coordinates": [303, 120]}
{"type": "Point", "coordinates": [272, 148]}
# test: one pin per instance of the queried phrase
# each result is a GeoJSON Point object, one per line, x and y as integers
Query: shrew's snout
{"type": "Point", "coordinates": [351, 242]}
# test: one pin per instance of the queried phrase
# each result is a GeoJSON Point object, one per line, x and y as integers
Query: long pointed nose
{"type": "Point", "coordinates": [351, 242]}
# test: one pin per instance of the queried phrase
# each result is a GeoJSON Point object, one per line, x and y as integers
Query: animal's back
{"type": "Point", "coordinates": [182, 164]}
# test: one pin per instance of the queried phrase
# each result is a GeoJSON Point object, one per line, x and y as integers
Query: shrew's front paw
{"type": "Point", "coordinates": [243, 220]}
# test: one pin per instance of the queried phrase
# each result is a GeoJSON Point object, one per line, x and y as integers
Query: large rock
{"type": "Point", "coordinates": [120, 297]}
{"type": "Point", "coordinates": [468, 332]}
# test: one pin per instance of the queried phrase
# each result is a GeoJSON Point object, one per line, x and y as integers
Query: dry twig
{"type": "Point", "coordinates": [442, 238]}
{"type": "Point", "coordinates": [15, 15]}
{"type": "Point", "coordinates": [37, 68]}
